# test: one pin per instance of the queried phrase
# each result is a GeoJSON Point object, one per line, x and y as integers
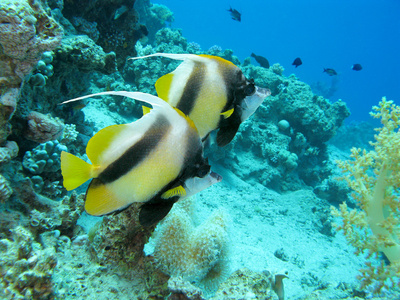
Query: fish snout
{"type": "Point", "coordinates": [251, 103]}
{"type": "Point", "coordinates": [263, 92]}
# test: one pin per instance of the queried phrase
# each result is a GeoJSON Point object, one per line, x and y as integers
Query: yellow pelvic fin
{"type": "Point", "coordinates": [228, 113]}
{"type": "Point", "coordinates": [176, 191]}
{"type": "Point", "coordinates": [145, 110]}
{"type": "Point", "coordinates": [101, 141]}
{"type": "Point", "coordinates": [100, 200]}
{"type": "Point", "coordinates": [74, 170]}
{"type": "Point", "coordinates": [163, 85]}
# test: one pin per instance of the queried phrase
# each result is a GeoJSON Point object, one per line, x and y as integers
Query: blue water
{"type": "Point", "coordinates": [325, 34]}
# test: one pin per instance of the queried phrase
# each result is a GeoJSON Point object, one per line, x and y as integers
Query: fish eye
{"type": "Point", "coordinates": [203, 171]}
{"type": "Point", "coordinates": [250, 89]}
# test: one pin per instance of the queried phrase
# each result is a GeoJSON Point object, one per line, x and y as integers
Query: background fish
{"type": "Point", "coordinates": [356, 67]}
{"type": "Point", "coordinates": [237, 16]}
{"type": "Point", "coordinates": [151, 160]}
{"type": "Point", "coordinates": [261, 60]}
{"type": "Point", "coordinates": [330, 72]}
{"type": "Point", "coordinates": [212, 91]}
{"type": "Point", "coordinates": [297, 62]}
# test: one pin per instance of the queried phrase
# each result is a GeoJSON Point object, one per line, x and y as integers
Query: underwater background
{"type": "Point", "coordinates": [274, 227]}
{"type": "Point", "coordinates": [324, 34]}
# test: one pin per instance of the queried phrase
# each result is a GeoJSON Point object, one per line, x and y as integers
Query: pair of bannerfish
{"type": "Point", "coordinates": [158, 159]}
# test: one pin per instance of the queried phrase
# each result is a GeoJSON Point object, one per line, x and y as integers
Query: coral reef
{"type": "Point", "coordinates": [113, 25]}
{"type": "Point", "coordinates": [44, 158]}
{"type": "Point", "coordinates": [154, 16]}
{"type": "Point", "coordinates": [374, 177]}
{"type": "Point", "coordinates": [247, 284]}
{"type": "Point", "coordinates": [282, 146]}
{"type": "Point", "coordinates": [83, 52]}
{"type": "Point", "coordinates": [26, 31]}
{"type": "Point", "coordinates": [26, 267]}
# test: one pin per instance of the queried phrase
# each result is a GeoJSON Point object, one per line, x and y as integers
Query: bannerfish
{"type": "Point", "coordinates": [297, 62]}
{"type": "Point", "coordinates": [212, 91]}
{"type": "Point", "coordinates": [235, 15]}
{"type": "Point", "coordinates": [261, 60]}
{"type": "Point", "coordinates": [356, 67]}
{"type": "Point", "coordinates": [330, 72]}
{"type": "Point", "coordinates": [155, 160]}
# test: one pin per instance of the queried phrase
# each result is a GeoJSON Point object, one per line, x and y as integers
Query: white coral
{"type": "Point", "coordinates": [181, 249]}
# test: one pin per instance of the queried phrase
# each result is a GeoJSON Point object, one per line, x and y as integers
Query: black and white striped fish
{"type": "Point", "coordinates": [212, 91]}
{"type": "Point", "coordinates": [156, 159]}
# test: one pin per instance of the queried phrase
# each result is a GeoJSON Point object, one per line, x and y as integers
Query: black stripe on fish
{"type": "Point", "coordinates": [137, 152]}
{"type": "Point", "coordinates": [192, 88]}
{"type": "Point", "coordinates": [233, 79]}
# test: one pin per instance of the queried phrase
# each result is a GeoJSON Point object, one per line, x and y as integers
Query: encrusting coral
{"type": "Point", "coordinates": [181, 249]}
{"type": "Point", "coordinates": [374, 177]}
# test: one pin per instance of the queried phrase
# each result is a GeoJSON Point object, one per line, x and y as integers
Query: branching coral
{"type": "Point", "coordinates": [374, 177]}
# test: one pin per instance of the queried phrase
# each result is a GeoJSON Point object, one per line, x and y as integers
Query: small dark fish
{"type": "Point", "coordinates": [261, 60]}
{"type": "Point", "coordinates": [237, 16]}
{"type": "Point", "coordinates": [330, 72]}
{"type": "Point", "coordinates": [297, 62]}
{"type": "Point", "coordinates": [356, 67]}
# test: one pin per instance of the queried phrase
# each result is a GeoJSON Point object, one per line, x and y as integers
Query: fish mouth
{"type": "Point", "coordinates": [216, 176]}
{"type": "Point", "coordinates": [251, 103]}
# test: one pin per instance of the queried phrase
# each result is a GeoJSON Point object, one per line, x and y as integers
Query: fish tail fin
{"type": "Point", "coordinates": [75, 171]}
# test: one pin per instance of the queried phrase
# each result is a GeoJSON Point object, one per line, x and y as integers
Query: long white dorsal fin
{"type": "Point", "coordinates": [150, 99]}
{"type": "Point", "coordinates": [176, 56]}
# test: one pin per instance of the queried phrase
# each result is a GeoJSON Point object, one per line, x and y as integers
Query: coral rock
{"type": "Point", "coordinates": [26, 31]}
{"type": "Point", "coordinates": [43, 128]}
{"type": "Point", "coordinates": [26, 267]}
{"type": "Point", "coordinates": [5, 189]}
{"type": "Point", "coordinates": [8, 152]}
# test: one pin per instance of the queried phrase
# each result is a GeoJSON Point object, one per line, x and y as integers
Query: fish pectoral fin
{"type": "Point", "coordinates": [228, 113]}
{"type": "Point", "coordinates": [74, 170]}
{"type": "Point", "coordinates": [146, 110]}
{"type": "Point", "coordinates": [153, 212]}
{"type": "Point", "coordinates": [176, 191]}
{"type": "Point", "coordinates": [101, 201]}
{"type": "Point", "coordinates": [163, 85]}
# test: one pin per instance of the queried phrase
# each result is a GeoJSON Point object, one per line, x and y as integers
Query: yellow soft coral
{"type": "Point", "coordinates": [374, 177]}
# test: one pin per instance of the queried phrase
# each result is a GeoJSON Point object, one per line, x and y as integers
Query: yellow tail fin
{"type": "Point", "coordinates": [74, 170]}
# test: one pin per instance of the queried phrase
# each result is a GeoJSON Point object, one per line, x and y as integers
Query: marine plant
{"type": "Point", "coordinates": [373, 228]}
